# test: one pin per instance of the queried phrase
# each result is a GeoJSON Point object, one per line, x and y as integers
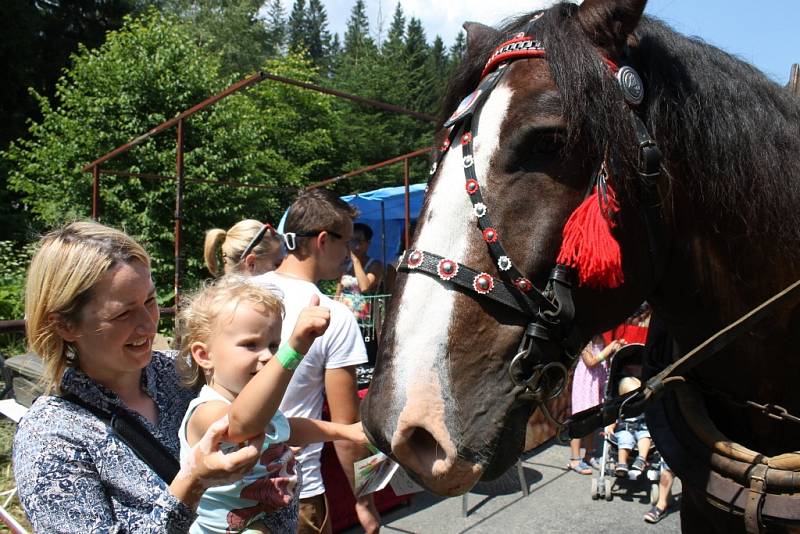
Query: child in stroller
{"type": "Point", "coordinates": [631, 435]}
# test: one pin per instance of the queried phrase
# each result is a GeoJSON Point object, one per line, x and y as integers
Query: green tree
{"type": "Point", "coordinates": [416, 56]}
{"type": "Point", "coordinates": [276, 27]}
{"type": "Point", "coordinates": [437, 70]}
{"type": "Point", "coordinates": [38, 37]}
{"type": "Point", "coordinates": [232, 28]}
{"type": "Point", "coordinates": [395, 38]}
{"type": "Point", "coordinates": [358, 45]}
{"type": "Point", "coordinates": [273, 136]}
{"type": "Point", "coordinates": [318, 37]}
{"type": "Point", "coordinates": [457, 50]}
{"type": "Point", "coordinates": [298, 27]}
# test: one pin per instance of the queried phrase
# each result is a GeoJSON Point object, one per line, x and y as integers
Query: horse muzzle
{"type": "Point", "coordinates": [433, 462]}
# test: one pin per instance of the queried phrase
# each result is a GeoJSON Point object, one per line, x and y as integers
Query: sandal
{"type": "Point", "coordinates": [654, 515]}
{"type": "Point", "coordinates": [621, 470]}
{"type": "Point", "coordinates": [581, 467]}
{"type": "Point", "coordinates": [639, 464]}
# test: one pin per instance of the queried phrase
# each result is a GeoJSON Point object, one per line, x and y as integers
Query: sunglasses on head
{"type": "Point", "coordinates": [257, 239]}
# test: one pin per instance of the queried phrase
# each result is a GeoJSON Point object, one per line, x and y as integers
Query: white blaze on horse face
{"type": "Point", "coordinates": [424, 315]}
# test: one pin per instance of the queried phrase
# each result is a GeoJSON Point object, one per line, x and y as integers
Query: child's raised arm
{"type": "Point", "coordinates": [258, 401]}
{"type": "Point", "coordinates": [305, 431]}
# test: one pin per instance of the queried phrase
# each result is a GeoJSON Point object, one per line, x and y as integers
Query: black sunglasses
{"type": "Point", "coordinates": [315, 233]}
{"type": "Point", "coordinates": [256, 240]}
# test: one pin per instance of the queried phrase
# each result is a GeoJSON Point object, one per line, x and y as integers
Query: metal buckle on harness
{"type": "Point", "coordinates": [648, 159]}
{"type": "Point", "coordinates": [546, 381]}
{"type": "Point", "coordinates": [755, 499]}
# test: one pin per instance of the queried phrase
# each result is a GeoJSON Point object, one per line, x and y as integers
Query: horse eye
{"type": "Point", "coordinates": [535, 150]}
{"type": "Point", "coordinates": [549, 143]}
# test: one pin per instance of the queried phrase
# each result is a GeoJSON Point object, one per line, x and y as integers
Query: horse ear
{"type": "Point", "coordinates": [608, 23]}
{"type": "Point", "coordinates": [478, 35]}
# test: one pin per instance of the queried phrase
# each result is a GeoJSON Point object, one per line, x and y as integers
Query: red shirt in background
{"type": "Point", "coordinates": [631, 333]}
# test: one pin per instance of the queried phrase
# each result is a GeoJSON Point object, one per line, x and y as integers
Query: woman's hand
{"type": "Point", "coordinates": [311, 323]}
{"type": "Point", "coordinates": [207, 466]}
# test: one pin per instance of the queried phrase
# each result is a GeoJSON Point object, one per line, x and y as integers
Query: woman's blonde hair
{"type": "Point", "coordinates": [228, 246]}
{"type": "Point", "coordinates": [67, 264]}
{"type": "Point", "coordinates": [200, 317]}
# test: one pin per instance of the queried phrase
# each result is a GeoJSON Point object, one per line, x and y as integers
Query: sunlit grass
{"type": "Point", "coordinates": [7, 482]}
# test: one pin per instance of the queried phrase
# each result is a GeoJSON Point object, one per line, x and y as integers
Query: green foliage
{"type": "Point", "coordinates": [233, 29]}
{"type": "Point", "coordinates": [298, 27]}
{"type": "Point", "coordinates": [399, 73]}
{"type": "Point", "coordinates": [276, 27]}
{"type": "Point", "coordinates": [271, 135]}
{"type": "Point", "coordinates": [14, 261]}
{"type": "Point", "coordinates": [358, 45]}
{"type": "Point", "coordinates": [38, 38]}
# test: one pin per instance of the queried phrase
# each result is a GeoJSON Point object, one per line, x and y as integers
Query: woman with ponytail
{"type": "Point", "coordinates": [249, 247]}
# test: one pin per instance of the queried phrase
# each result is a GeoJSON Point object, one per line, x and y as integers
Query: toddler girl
{"type": "Point", "coordinates": [230, 334]}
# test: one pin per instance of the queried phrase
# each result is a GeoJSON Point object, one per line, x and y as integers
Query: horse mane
{"type": "Point", "coordinates": [730, 136]}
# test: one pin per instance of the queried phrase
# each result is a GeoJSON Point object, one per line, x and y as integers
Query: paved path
{"type": "Point", "coordinates": [559, 502]}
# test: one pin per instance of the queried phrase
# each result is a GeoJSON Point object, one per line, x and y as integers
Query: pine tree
{"type": "Point", "coordinates": [335, 53]}
{"type": "Point", "coordinates": [416, 49]}
{"type": "Point", "coordinates": [357, 42]}
{"type": "Point", "coordinates": [457, 51]}
{"type": "Point", "coordinates": [276, 27]}
{"type": "Point", "coordinates": [298, 27]}
{"type": "Point", "coordinates": [436, 74]}
{"type": "Point", "coordinates": [395, 39]}
{"type": "Point", "coordinates": [318, 38]}
{"type": "Point", "coordinates": [233, 28]}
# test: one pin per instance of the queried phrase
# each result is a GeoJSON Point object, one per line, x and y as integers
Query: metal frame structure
{"type": "Point", "coordinates": [95, 167]}
{"type": "Point", "coordinates": [406, 181]}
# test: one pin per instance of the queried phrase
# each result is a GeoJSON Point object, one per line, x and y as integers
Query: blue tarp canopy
{"type": "Point", "coordinates": [383, 210]}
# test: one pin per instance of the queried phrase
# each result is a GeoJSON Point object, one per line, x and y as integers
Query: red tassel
{"type": "Point", "coordinates": [588, 245]}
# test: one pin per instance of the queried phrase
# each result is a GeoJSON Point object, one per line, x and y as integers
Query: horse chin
{"type": "Point", "coordinates": [449, 479]}
{"type": "Point", "coordinates": [509, 444]}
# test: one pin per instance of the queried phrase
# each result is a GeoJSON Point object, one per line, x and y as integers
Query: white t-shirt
{"type": "Point", "coordinates": [340, 346]}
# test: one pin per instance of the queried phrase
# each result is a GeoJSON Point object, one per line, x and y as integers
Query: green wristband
{"type": "Point", "coordinates": [289, 357]}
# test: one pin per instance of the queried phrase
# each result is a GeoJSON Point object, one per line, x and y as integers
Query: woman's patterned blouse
{"type": "Point", "coordinates": [74, 475]}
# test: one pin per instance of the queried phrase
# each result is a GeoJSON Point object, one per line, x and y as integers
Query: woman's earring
{"type": "Point", "coordinates": [70, 354]}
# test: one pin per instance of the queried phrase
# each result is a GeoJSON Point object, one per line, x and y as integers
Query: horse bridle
{"type": "Point", "coordinates": [539, 366]}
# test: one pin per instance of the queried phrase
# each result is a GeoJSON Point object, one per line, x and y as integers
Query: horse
{"type": "Point", "coordinates": [687, 156]}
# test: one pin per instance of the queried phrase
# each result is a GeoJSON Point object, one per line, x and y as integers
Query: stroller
{"type": "Point", "coordinates": [626, 362]}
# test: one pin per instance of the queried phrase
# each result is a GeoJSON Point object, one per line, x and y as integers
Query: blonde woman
{"type": "Point", "coordinates": [249, 247]}
{"type": "Point", "coordinates": [91, 312]}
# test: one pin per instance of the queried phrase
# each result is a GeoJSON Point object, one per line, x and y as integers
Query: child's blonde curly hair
{"type": "Point", "coordinates": [201, 316]}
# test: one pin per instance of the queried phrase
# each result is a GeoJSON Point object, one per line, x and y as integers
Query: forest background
{"type": "Point", "coordinates": [86, 76]}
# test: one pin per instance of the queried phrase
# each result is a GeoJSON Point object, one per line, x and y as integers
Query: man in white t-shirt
{"type": "Point", "coordinates": [318, 229]}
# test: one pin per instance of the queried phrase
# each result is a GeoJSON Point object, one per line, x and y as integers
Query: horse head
{"type": "Point", "coordinates": [485, 320]}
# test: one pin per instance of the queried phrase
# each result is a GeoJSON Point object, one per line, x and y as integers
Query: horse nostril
{"type": "Point", "coordinates": [428, 449]}
{"type": "Point", "coordinates": [422, 451]}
